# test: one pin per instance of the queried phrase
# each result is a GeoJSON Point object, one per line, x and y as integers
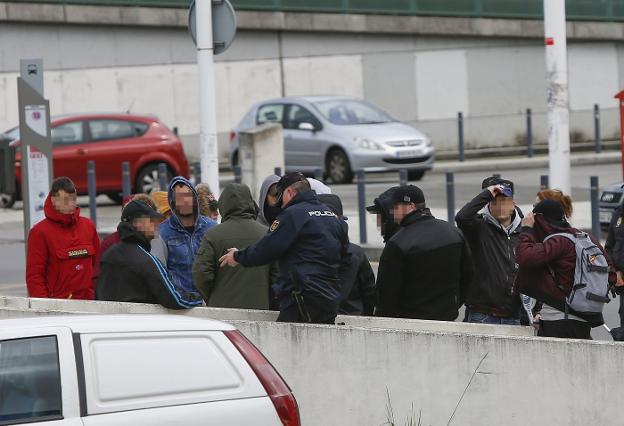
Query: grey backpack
{"type": "Point", "coordinates": [590, 290]}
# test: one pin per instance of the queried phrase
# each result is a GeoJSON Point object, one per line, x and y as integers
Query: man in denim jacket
{"type": "Point", "coordinates": [181, 234]}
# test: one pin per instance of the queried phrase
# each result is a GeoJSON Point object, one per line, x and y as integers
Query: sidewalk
{"type": "Point", "coordinates": [538, 161]}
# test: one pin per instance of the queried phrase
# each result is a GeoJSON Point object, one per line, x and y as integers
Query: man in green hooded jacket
{"type": "Point", "coordinates": [246, 288]}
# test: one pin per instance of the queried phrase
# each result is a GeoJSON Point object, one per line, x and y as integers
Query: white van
{"type": "Point", "coordinates": [136, 370]}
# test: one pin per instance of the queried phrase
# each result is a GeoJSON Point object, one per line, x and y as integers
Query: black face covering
{"type": "Point", "coordinates": [388, 227]}
{"type": "Point", "coordinates": [271, 212]}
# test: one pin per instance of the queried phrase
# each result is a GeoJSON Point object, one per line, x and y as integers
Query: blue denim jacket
{"type": "Point", "coordinates": [182, 246]}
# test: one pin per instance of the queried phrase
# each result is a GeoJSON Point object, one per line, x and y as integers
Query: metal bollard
{"type": "Point", "coordinates": [318, 174]}
{"type": "Point", "coordinates": [529, 124]}
{"type": "Point", "coordinates": [162, 176]}
{"type": "Point", "coordinates": [597, 143]}
{"type": "Point", "coordinates": [361, 190]}
{"type": "Point", "coordinates": [92, 191]}
{"type": "Point", "coordinates": [403, 177]}
{"type": "Point", "coordinates": [237, 174]}
{"type": "Point", "coordinates": [197, 172]}
{"type": "Point", "coordinates": [125, 179]}
{"type": "Point", "coordinates": [460, 131]}
{"type": "Point", "coordinates": [278, 171]}
{"type": "Point", "coordinates": [543, 182]}
{"type": "Point", "coordinates": [176, 131]}
{"type": "Point", "coordinates": [450, 197]}
{"type": "Point", "coordinates": [595, 206]}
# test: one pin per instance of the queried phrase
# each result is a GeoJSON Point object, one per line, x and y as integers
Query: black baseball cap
{"type": "Point", "coordinates": [383, 203]}
{"type": "Point", "coordinates": [508, 186]}
{"type": "Point", "coordinates": [408, 194]}
{"type": "Point", "coordinates": [287, 180]}
{"type": "Point", "coordinates": [135, 209]}
{"type": "Point", "coordinates": [553, 212]}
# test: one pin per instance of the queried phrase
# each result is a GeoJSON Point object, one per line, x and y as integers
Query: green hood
{"type": "Point", "coordinates": [236, 201]}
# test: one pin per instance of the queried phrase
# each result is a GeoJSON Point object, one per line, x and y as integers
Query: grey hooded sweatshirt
{"type": "Point", "coordinates": [264, 190]}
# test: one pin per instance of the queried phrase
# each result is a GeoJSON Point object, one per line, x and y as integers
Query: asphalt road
{"type": "Point", "coordinates": [467, 185]}
{"type": "Point", "coordinates": [12, 255]}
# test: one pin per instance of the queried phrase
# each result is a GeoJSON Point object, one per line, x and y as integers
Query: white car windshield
{"type": "Point", "coordinates": [351, 112]}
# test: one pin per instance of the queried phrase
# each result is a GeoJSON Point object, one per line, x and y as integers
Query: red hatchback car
{"type": "Point", "coordinates": [109, 139]}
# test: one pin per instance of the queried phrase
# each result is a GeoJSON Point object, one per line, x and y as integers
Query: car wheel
{"type": "Point", "coordinates": [6, 200]}
{"type": "Point", "coordinates": [147, 179]}
{"type": "Point", "coordinates": [338, 168]}
{"type": "Point", "coordinates": [415, 174]}
{"type": "Point", "coordinates": [115, 197]}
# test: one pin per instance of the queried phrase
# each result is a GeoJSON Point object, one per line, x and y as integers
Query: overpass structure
{"type": "Point", "coordinates": [422, 60]}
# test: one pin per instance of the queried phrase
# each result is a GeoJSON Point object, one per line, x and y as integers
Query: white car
{"type": "Point", "coordinates": [137, 370]}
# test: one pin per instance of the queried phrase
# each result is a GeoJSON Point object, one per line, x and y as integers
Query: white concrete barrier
{"type": "Point", "coordinates": [446, 373]}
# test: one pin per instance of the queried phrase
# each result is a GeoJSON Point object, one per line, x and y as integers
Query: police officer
{"type": "Point", "coordinates": [615, 249]}
{"type": "Point", "coordinates": [310, 243]}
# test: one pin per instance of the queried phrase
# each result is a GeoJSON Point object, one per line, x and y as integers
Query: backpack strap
{"type": "Point", "coordinates": [566, 235]}
{"type": "Point", "coordinates": [552, 272]}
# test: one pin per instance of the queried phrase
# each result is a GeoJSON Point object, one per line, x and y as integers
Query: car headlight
{"type": "Point", "coordinates": [428, 143]}
{"type": "Point", "coordinates": [368, 144]}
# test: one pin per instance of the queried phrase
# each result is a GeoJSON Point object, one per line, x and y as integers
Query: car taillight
{"type": "Point", "coordinates": [232, 136]}
{"type": "Point", "coordinates": [277, 389]}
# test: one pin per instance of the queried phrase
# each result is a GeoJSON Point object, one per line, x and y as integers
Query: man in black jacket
{"type": "Point", "coordinates": [382, 207]}
{"type": "Point", "coordinates": [491, 224]}
{"type": "Point", "coordinates": [357, 279]}
{"type": "Point", "coordinates": [425, 267]}
{"type": "Point", "coordinates": [129, 273]}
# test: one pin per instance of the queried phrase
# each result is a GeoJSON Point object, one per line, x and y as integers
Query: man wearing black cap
{"type": "Point", "coordinates": [129, 273]}
{"type": "Point", "coordinates": [491, 224]}
{"type": "Point", "coordinates": [547, 271]}
{"type": "Point", "coordinates": [382, 207]}
{"type": "Point", "coordinates": [425, 267]}
{"type": "Point", "coordinates": [310, 243]}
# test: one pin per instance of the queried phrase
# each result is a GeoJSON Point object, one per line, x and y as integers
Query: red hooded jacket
{"type": "Point", "coordinates": [61, 256]}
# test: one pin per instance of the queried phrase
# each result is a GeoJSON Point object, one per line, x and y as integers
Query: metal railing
{"type": "Point", "coordinates": [583, 10]}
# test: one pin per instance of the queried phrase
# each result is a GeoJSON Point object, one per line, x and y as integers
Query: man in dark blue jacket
{"type": "Point", "coordinates": [310, 243]}
{"type": "Point", "coordinates": [181, 234]}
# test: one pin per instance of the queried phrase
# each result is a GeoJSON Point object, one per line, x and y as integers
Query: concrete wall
{"type": "Point", "coordinates": [347, 375]}
{"type": "Point", "coordinates": [422, 70]}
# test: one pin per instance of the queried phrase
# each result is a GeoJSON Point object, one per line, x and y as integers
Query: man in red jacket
{"type": "Point", "coordinates": [62, 248]}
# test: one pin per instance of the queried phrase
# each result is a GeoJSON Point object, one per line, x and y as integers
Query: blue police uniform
{"type": "Point", "coordinates": [309, 241]}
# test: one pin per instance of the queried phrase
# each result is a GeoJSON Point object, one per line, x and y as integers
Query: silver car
{"type": "Point", "coordinates": [340, 135]}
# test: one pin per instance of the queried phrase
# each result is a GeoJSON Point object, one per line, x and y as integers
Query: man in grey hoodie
{"type": "Point", "coordinates": [491, 223]}
{"type": "Point", "coordinates": [268, 198]}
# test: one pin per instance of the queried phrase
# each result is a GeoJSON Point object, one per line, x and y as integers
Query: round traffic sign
{"type": "Point", "coordinates": [223, 24]}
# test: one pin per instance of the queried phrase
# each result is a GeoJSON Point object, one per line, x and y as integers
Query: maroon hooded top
{"type": "Point", "coordinates": [546, 269]}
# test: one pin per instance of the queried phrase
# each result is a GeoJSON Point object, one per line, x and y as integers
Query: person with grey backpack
{"type": "Point", "coordinates": [565, 269]}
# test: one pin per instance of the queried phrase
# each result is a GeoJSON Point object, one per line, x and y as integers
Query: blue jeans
{"type": "Point", "coordinates": [479, 318]}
